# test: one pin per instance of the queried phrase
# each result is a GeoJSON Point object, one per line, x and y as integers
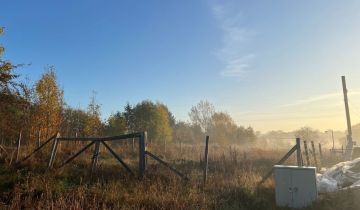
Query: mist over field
{"type": "Point", "coordinates": [180, 105]}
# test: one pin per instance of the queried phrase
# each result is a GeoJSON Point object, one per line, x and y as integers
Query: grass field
{"type": "Point", "coordinates": [232, 182]}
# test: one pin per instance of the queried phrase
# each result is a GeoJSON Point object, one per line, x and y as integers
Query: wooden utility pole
{"type": "Point", "coordinates": [349, 145]}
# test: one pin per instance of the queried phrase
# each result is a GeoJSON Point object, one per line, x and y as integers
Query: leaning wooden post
{"type": "Point", "coordinates": [306, 154]}
{"type": "Point", "coordinates": [95, 157]}
{"type": "Point", "coordinates": [53, 151]}
{"type": "Point", "coordinates": [298, 152]}
{"type": "Point", "coordinates": [314, 153]}
{"type": "Point", "coordinates": [142, 153]}
{"type": "Point", "coordinates": [18, 147]}
{"type": "Point", "coordinates": [206, 160]}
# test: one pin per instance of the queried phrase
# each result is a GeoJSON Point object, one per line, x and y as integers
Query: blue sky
{"type": "Point", "coordinates": [270, 64]}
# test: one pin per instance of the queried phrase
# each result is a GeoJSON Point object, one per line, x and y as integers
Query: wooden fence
{"type": "Point", "coordinates": [98, 141]}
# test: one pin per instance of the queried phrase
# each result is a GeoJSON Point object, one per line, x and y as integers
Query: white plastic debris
{"type": "Point", "coordinates": [326, 184]}
{"type": "Point", "coordinates": [343, 175]}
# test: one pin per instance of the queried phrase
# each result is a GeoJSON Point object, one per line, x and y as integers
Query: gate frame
{"type": "Point", "coordinates": [142, 136]}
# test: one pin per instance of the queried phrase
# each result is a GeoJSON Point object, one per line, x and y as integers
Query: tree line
{"type": "Point", "coordinates": [40, 110]}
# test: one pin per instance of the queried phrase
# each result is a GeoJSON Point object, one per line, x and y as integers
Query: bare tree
{"type": "Point", "coordinates": [307, 133]}
{"type": "Point", "coordinates": [201, 115]}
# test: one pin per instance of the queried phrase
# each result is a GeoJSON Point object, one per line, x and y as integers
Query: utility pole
{"type": "Point", "coordinates": [349, 144]}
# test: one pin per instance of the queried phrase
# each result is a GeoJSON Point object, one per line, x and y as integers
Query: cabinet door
{"type": "Point", "coordinates": [283, 187]}
{"type": "Point", "coordinates": [303, 187]}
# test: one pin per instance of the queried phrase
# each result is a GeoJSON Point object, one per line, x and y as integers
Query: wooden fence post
{"type": "Point", "coordinates": [298, 152]}
{"type": "Point", "coordinates": [53, 151]}
{"type": "Point", "coordinates": [314, 153]}
{"type": "Point", "coordinates": [180, 149]}
{"type": "Point", "coordinates": [142, 153]}
{"type": "Point", "coordinates": [18, 147]}
{"type": "Point", "coordinates": [306, 153]}
{"type": "Point", "coordinates": [133, 145]}
{"type": "Point", "coordinates": [206, 160]}
{"type": "Point", "coordinates": [320, 153]}
{"type": "Point", "coordinates": [95, 157]}
{"type": "Point", "coordinates": [39, 138]}
{"type": "Point", "coordinates": [2, 138]}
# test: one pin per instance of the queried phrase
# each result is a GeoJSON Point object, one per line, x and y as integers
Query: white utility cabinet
{"type": "Point", "coordinates": [295, 186]}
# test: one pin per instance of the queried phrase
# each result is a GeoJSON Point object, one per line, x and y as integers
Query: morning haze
{"type": "Point", "coordinates": [100, 97]}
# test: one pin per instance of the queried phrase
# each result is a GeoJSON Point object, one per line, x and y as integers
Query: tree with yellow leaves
{"type": "Point", "coordinates": [93, 124]}
{"type": "Point", "coordinates": [155, 119]}
{"type": "Point", "coordinates": [49, 100]}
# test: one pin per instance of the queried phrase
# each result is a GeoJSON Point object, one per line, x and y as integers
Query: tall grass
{"type": "Point", "coordinates": [232, 183]}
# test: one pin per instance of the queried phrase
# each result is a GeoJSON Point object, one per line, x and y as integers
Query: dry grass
{"type": "Point", "coordinates": [233, 175]}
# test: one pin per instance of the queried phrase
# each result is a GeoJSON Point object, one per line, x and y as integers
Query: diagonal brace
{"type": "Point", "coordinates": [118, 158]}
{"type": "Point", "coordinates": [77, 154]}
{"type": "Point", "coordinates": [292, 150]}
{"type": "Point", "coordinates": [167, 165]}
{"type": "Point", "coordinates": [37, 149]}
